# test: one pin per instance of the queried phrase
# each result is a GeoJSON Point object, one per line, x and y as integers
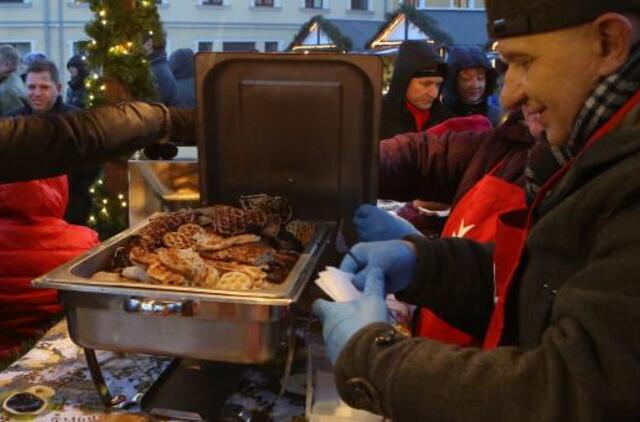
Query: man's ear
{"type": "Point", "coordinates": [59, 87]}
{"type": "Point", "coordinates": [614, 33]}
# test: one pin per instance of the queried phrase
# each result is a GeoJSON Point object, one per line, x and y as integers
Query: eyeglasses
{"type": "Point", "coordinates": [32, 401]}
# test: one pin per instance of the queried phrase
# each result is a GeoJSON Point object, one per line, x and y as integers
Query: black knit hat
{"type": "Point", "coordinates": [508, 18]}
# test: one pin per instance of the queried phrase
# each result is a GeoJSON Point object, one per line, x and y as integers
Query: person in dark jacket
{"type": "Point", "coordinates": [154, 46]}
{"type": "Point", "coordinates": [45, 145]}
{"type": "Point", "coordinates": [561, 276]}
{"type": "Point", "coordinates": [412, 103]}
{"type": "Point", "coordinates": [43, 96]}
{"type": "Point", "coordinates": [77, 91]}
{"type": "Point", "coordinates": [443, 168]}
{"type": "Point", "coordinates": [43, 91]}
{"type": "Point", "coordinates": [181, 64]}
{"type": "Point", "coordinates": [470, 83]}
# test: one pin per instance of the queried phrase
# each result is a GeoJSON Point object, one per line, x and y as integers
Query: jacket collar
{"type": "Point", "coordinates": [620, 142]}
{"type": "Point", "coordinates": [58, 107]}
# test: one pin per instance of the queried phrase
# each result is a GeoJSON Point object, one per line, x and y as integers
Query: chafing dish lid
{"type": "Point", "coordinates": [302, 126]}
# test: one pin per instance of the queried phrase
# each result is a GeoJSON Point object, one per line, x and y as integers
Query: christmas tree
{"type": "Point", "coordinates": [118, 71]}
{"type": "Point", "coordinates": [115, 54]}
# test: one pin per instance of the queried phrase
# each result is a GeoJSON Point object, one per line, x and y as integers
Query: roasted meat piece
{"type": "Point", "coordinates": [230, 221]}
{"type": "Point", "coordinates": [271, 205]}
{"type": "Point", "coordinates": [185, 262]}
{"type": "Point", "coordinates": [252, 254]}
{"type": "Point", "coordinates": [163, 223]}
{"type": "Point", "coordinates": [217, 245]}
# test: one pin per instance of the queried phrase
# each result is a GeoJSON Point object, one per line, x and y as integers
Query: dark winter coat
{"type": "Point", "coordinates": [46, 145]}
{"type": "Point", "coordinates": [77, 92]}
{"type": "Point", "coordinates": [181, 64]}
{"type": "Point", "coordinates": [443, 168]}
{"type": "Point", "coordinates": [80, 180]}
{"type": "Point", "coordinates": [164, 80]}
{"type": "Point", "coordinates": [33, 240]}
{"type": "Point", "coordinates": [26, 110]}
{"type": "Point", "coordinates": [464, 58]}
{"type": "Point", "coordinates": [412, 58]}
{"type": "Point", "coordinates": [575, 352]}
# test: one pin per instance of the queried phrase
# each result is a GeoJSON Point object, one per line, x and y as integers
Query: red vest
{"type": "Point", "coordinates": [474, 217]}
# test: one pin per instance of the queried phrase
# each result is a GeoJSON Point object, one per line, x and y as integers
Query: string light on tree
{"type": "Point", "coordinates": [108, 215]}
{"type": "Point", "coordinates": [115, 57]}
{"type": "Point", "coordinates": [115, 50]}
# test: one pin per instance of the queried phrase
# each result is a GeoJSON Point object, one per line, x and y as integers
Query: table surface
{"type": "Point", "coordinates": [55, 361]}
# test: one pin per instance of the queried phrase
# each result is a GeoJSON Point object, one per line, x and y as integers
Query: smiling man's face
{"type": "Point", "coordinates": [42, 91]}
{"type": "Point", "coordinates": [552, 73]}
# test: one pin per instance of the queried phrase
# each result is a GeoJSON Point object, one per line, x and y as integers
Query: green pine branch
{"type": "Point", "coordinates": [115, 51]}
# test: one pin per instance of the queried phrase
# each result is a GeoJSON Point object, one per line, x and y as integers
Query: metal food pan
{"type": "Point", "coordinates": [220, 325]}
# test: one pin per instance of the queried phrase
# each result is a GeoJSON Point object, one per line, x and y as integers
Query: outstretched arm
{"type": "Point", "coordinates": [47, 145]}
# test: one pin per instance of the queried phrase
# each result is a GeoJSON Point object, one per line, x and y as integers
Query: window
{"type": "Point", "coordinates": [87, 1]}
{"type": "Point", "coordinates": [460, 4]}
{"type": "Point", "coordinates": [313, 4]}
{"type": "Point", "coordinates": [79, 47]}
{"type": "Point", "coordinates": [270, 46]}
{"type": "Point", "coordinates": [238, 46]}
{"type": "Point", "coordinates": [437, 4]}
{"type": "Point", "coordinates": [418, 4]}
{"type": "Point", "coordinates": [212, 2]}
{"type": "Point", "coordinates": [264, 3]}
{"type": "Point", "coordinates": [205, 46]}
{"type": "Point", "coordinates": [359, 4]}
{"type": "Point", "coordinates": [22, 47]}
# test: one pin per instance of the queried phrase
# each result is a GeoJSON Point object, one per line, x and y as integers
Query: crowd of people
{"type": "Point", "coordinates": [43, 222]}
{"type": "Point", "coordinates": [527, 299]}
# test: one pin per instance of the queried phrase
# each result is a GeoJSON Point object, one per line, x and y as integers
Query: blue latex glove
{"type": "Point", "coordinates": [341, 320]}
{"type": "Point", "coordinates": [395, 258]}
{"type": "Point", "coordinates": [374, 224]}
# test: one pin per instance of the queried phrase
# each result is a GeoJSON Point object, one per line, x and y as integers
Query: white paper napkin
{"type": "Point", "coordinates": [337, 284]}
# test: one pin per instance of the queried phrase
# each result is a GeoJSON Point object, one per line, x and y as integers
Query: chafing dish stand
{"type": "Point", "coordinates": [191, 389]}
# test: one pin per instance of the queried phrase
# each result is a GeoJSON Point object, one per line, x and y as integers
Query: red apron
{"type": "Point", "coordinates": [474, 217]}
{"type": "Point", "coordinates": [513, 228]}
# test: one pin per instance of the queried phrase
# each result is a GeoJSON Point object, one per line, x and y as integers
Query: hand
{"type": "Point", "coordinates": [373, 224]}
{"type": "Point", "coordinates": [161, 151]}
{"type": "Point", "coordinates": [396, 258]}
{"type": "Point", "coordinates": [340, 321]}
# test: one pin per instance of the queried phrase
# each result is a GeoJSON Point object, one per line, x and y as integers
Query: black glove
{"type": "Point", "coordinates": [161, 151]}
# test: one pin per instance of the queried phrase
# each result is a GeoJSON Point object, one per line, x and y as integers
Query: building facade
{"type": "Point", "coordinates": [56, 26]}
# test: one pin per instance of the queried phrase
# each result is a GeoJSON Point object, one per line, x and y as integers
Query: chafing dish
{"type": "Point", "coordinates": [221, 325]}
{"type": "Point", "coordinates": [304, 127]}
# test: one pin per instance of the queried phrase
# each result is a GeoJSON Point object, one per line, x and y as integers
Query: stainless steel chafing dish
{"type": "Point", "coordinates": [222, 325]}
{"type": "Point", "coordinates": [304, 127]}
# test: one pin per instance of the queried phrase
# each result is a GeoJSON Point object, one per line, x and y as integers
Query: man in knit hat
{"type": "Point", "coordinates": [555, 304]}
